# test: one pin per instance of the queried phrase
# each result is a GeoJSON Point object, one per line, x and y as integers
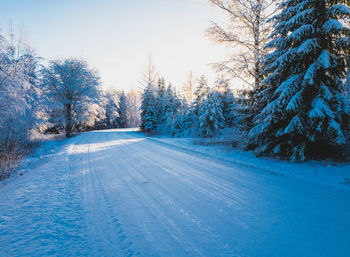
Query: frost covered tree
{"type": "Point", "coordinates": [171, 107]}
{"type": "Point", "coordinates": [20, 103]}
{"type": "Point", "coordinates": [93, 117]}
{"type": "Point", "coordinates": [150, 122]}
{"type": "Point", "coordinates": [111, 108]}
{"type": "Point", "coordinates": [182, 121]}
{"type": "Point", "coordinates": [148, 106]}
{"type": "Point", "coordinates": [122, 109]}
{"type": "Point", "coordinates": [304, 102]}
{"type": "Point", "coordinates": [200, 94]}
{"type": "Point", "coordinates": [19, 90]}
{"type": "Point", "coordinates": [159, 105]}
{"type": "Point", "coordinates": [150, 118]}
{"type": "Point", "coordinates": [211, 118]}
{"type": "Point", "coordinates": [161, 100]}
{"type": "Point", "coordinates": [71, 85]}
{"type": "Point", "coordinates": [228, 103]}
{"type": "Point", "coordinates": [18, 86]}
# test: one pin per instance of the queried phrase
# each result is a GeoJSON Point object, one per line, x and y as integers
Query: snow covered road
{"type": "Point", "coordinates": [116, 193]}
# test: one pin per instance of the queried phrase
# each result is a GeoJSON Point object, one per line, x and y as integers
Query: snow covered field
{"type": "Point", "coordinates": [117, 193]}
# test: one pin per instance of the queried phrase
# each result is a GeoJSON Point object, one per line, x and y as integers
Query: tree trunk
{"type": "Point", "coordinates": [69, 124]}
{"type": "Point", "coordinates": [257, 57]}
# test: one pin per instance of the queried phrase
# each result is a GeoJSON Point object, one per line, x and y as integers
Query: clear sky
{"type": "Point", "coordinates": [116, 36]}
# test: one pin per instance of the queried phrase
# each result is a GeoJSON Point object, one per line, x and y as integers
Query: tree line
{"type": "Point", "coordinates": [39, 97]}
{"type": "Point", "coordinates": [294, 58]}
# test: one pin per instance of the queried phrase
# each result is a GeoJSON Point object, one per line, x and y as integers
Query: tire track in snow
{"type": "Point", "coordinates": [146, 205]}
{"type": "Point", "coordinates": [165, 221]}
{"type": "Point", "coordinates": [233, 193]}
{"type": "Point", "coordinates": [158, 242]}
{"type": "Point", "coordinates": [123, 243]}
{"type": "Point", "coordinates": [168, 157]}
{"type": "Point", "coordinates": [176, 206]}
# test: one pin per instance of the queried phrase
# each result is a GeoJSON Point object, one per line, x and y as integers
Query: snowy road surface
{"type": "Point", "coordinates": [115, 193]}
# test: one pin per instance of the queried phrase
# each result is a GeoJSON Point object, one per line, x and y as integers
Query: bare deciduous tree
{"type": "Point", "coordinates": [246, 34]}
{"type": "Point", "coordinates": [149, 74]}
{"type": "Point", "coordinates": [187, 87]}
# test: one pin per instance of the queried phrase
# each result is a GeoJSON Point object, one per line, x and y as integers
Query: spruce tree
{"type": "Point", "coordinates": [122, 111]}
{"type": "Point", "coordinates": [305, 105]}
{"type": "Point", "coordinates": [147, 99]}
{"type": "Point", "coordinates": [211, 119]}
{"type": "Point", "coordinates": [169, 107]}
{"type": "Point", "coordinates": [150, 119]}
{"type": "Point", "coordinates": [182, 121]}
{"type": "Point", "coordinates": [111, 109]}
{"type": "Point", "coordinates": [200, 94]}
{"type": "Point", "coordinates": [222, 86]}
{"type": "Point", "coordinates": [160, 102]}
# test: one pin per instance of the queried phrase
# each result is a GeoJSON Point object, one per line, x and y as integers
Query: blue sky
{"type": "Point", "coordinates": [116, 36]}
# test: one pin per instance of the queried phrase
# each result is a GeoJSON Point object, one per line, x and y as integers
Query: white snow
{"type": "Point", "coordinates": [332, 25]}
{"type": "Point", "coordinates": [117, 193]}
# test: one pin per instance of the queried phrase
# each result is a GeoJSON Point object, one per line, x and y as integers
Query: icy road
{"type": "Point", "coordinates": [116, 193]}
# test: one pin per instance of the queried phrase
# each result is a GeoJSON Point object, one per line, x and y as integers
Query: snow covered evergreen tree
{"type": "Point", "coordinates": [182, 121]}
{"type": "Point", "coordinates": [211, 118]}
{"type": "Point", "coordinates": [172, 105]}
{"type": "Point", "coordinates": [161, 102]}
{"type": "Point", "coordinates": [200, 94]}
{"type": "Point", "coordinates": [122, 111]}
{"type": "Point", "coordinates": [148, 106]}
{"type": "Point", "coordinates": [150, 119]}
{"type": "Point", "coordinates": [305, 107]}
{"type": "Point", "coordinates": [222, 86]}
{"type": "Point", "coordinates": [111, 108]}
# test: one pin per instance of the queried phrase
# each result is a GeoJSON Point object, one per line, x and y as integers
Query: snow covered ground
{"type": "Point", "coordinates": [117, 193]}
{"type": "Point", "coordinates": [328, 173]}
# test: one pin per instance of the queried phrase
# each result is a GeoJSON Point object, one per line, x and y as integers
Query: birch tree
{"type": "Point", "coordinates": [246, 34]}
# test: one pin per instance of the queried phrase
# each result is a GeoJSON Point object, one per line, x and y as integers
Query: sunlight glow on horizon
{"type": "Point", "coordinates": [116, 37]}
